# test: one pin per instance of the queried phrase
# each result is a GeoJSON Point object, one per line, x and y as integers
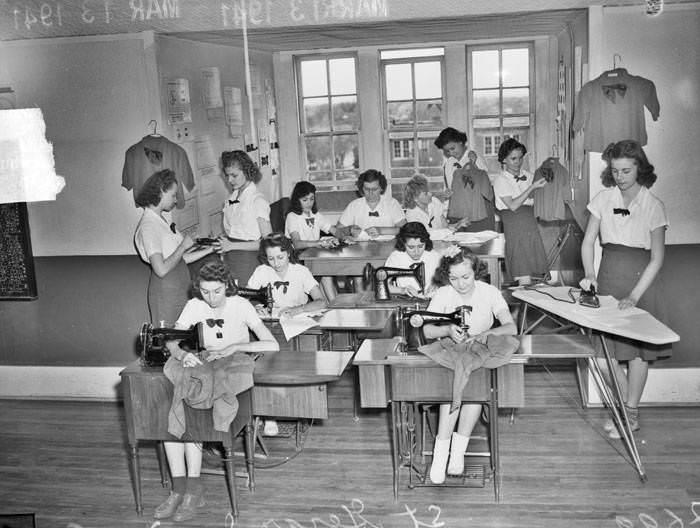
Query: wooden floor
{"type": "Point", "coordinates": [67, 462]}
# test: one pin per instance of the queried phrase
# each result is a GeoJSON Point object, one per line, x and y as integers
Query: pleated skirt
{"type": "Point", "coordinates": [524, 251]}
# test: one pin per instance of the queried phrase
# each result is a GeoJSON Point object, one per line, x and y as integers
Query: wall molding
{"type": "Point", "coordinates": [60, 383]}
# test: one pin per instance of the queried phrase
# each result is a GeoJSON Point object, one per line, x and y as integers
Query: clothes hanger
{"type": "Point", "coordinates": [616, 69]}
{"type": "Point", "coordinates": [155, 128]}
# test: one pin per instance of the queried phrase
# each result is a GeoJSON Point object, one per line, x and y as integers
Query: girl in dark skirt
{"type": "Point", "coordinates": [631, 223]}
{"type": "Point", "coordinates": [513, 188]}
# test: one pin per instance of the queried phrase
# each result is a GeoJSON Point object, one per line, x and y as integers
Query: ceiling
{"type": "Point", "coordinates": [396, 32]}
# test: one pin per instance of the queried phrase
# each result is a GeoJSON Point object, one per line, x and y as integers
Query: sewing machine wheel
{"type": "Point", "coordinates": [145, 337]}
{"type": "Point", "coordinates": [416, 321]}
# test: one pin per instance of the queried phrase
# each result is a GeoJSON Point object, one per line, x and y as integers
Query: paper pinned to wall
{"type": "Point", "coordinates": [27, 171]}
{"type": "Point", "coordinates": [211, 91]}
{"type": "Point", "coordinates": [178, 101]}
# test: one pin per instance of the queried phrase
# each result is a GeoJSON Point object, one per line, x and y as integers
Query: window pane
{"type": "Point", "coordinates": [402, 173]}
{"type": "Point", "coordinates": [516, 67]}
{"type": "Point", "coordinates": [400, 113]}
{"type": "Point", "coordinates": [318, 153]}
{"type": "Point", "coordinates": [401, 152]}
{"type": "Point", "coordinates": [320, 176]}
{"type": "Point", "coordinates": [347, 176]}
{"type": "Point", "coordinates": [429, 155]}
{"type": "Point", "coordinates": [314, 81]}
{"type": "Point", "coordinates": [485, 69]}
{"type": "Point", "coordinates": [407, 53]}
{"type": "Point", "coordinates": [342, 74]}
{"type": "Point", "coordinates": [346, 152]}
{"type": "Point", "coordinates": [485, 102]}
{"type": "Point", "coordinates": [429, 113]}
{"type": "Point", "coordinates": [516, 101]}
{"type": "Point", "coordinates": [428, 80]}
{"type": "Point", "coordinates": [491, 122]}
{"type": "Point", "coordinates": [399, 84]}
{"type": "Point", "coordinates": [516, 122]}
{"type": "Point", "coordinates": [316, 118]}
{"type": "Point", "coordinates": [345, 113]}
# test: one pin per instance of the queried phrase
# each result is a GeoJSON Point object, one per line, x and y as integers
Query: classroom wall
{"type": "Point", "coordinates": [665, 50]}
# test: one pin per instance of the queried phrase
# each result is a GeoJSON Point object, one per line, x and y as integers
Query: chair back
{"type": "Point", "coordinates": [278, 214]}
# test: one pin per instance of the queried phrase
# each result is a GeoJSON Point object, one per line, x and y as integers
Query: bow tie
{"type": "Point", "coordinates": [154, 156]}
{"type": "Point", "coordinates": [519, 178]}
{"type": "Point", "coordinates": [279, 284]}
{"type": "Point", "coordinates": [212, 322]}
{"type": "Point", "coordinates": [172, 227]}
{"type": "Point", "coordinates": [374, 213]}
{"type": "Point", "coordinates": [621, 211]}
{"type": "Point", "coordinates": [310, 221]}
{"type": "Point", "coordinates": [456, 165]}
{"type": "Point", "coordinates": [612, 90]}
{"type": "Point", "coordinates": [231, 202]}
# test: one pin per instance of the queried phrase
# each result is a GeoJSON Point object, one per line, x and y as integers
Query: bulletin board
{"type": "Point", "coordinates": [17, 277]}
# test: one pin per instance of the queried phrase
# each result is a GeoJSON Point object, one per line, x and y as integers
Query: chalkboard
{"type": "Point", "coordinates": [17, 278]}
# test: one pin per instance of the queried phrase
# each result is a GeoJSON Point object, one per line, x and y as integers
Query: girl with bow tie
{"type": "Point", "coordinates": [292, 283]}
{"type": "Point", "coordinates": [513, 187]}
{"type": "Point", "coordinates": [227, 319]}
{"type": "Point", "coordinates": [458, 277]}
{"type": "Point", "coordinates": [631, 223]}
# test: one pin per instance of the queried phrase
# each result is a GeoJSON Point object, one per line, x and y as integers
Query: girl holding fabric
{"type": "Point", "coordinates": [631, 223]}
{"type": "Point", "coordinates": [524, 252]}
{"type": "Point", "coordinates": [457, 276]}
{"type": "Point", "coordinates": [413, 245]}
{"type": "Point", "coordinates": [164, 248]}
{"type": "Point", "coordinates": [229, 319]}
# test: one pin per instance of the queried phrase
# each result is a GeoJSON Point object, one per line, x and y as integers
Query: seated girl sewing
{"type": "Point", "coordinates": [231, 317]}
{"type": "Point", "coordinates": [457, 275]}
{"type": "Point", "coordinates": [413, 245]}
{"type": "Point", "coordinates": [292, 283]}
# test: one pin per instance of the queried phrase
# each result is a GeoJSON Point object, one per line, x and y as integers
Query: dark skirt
{"type": "Point", "coordinates": [485, 224]}
{"type": "Point", "coordinates": [167, 295]}
{"type": "Point", "coordinates": [524, 249]}
{"type": "Point", "coordinates": [620, 270]}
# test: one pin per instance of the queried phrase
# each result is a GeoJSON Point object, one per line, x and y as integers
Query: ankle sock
{"type": "Point", "coordinates": [179, 485]}
{"type": "Point", "coordinates": [194, 486]}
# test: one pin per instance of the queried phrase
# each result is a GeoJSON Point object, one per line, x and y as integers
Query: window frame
{"type": "Point", "coordinates": [334, 184]}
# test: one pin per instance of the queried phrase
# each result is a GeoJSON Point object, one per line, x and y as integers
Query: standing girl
{"type": "Point", "coordinates": [524, 252]}
{"type": "Point", "coordinates": [459, 286]}
{"type": "Point", "coordinates": [631, 223]}
{"type": "Point", "coordinates": [164, 248]}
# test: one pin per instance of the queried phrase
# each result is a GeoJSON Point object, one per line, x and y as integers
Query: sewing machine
{"type": "Point", "coordinates": [381, 276]}
{"type": "Point", "coordinates": [155, 353]}
{"type": "Point", "coordinates": [417, 318]}
{"type": "Point", "coordinates": [262, 295]}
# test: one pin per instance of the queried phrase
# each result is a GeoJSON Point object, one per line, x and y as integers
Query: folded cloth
{"type": "Point", "coordinates": [463, 358]}
{"type": "Point", "coordinates": [213, 385]}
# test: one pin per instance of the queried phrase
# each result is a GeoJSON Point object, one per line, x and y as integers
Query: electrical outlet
{"type": "Point", "coordinates": [182, 133]}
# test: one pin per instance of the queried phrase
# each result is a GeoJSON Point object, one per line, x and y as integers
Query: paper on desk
{"type": "Point", "coordinates": [474, 238]}
{"type": "Point", "coordinates": [441, 234]}
{"type": "Point", "coordinates": [363, 237]}
{"type": "Point", "coordinates": [297, 324]}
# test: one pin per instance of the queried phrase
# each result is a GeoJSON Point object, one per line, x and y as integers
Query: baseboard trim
{"type": "Point", "coordinates": [665, 386]}
{"type": "Point", "coordinates": [62, 383]}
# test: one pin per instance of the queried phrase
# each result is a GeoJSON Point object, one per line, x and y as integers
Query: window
{"type": "Point", "coordinates": [501, 98]}
{"type": "Point", "coordinates": [330, 120]}
{"type": "Point", "coordinates": [414, 112]}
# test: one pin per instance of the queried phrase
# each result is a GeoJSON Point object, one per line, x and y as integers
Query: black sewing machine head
{"type": "Point", "coordinates": [417, 318]}
{"type": "Point", "coordinates": [380, 278]}
{"type": "Point", "coordinates": [262, 296]}
{"type": "Point", "coordinates": [154, 353]}
{"type": "Point", "coordinates": [589, 298]}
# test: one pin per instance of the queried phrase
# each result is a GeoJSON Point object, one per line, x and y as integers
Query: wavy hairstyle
{"type": "Point", "coordinates": [238, 158]}
{"type": "Point", "coordinates": [302, 189]}
{"type": "Point", "coordinates": [449, 134]}
{"type": "Point", "coordinates": [416, 185]}
{"type": "Point", "coordinates": [280, 241]}
{"type": "Point", "coordinates": [153, 188]}
{"type": "Point", "coordinates": [631, 149]}
{"type": "Point", "coordinates": [442, 272]}
{"type": "Point", "coordinates": [413, 230]}
{"type": "Point", "coordinates": [215, 271]}
{"type": "Point", "coordinates": [369, 176]}
{"type": "Point", "coordinates": [508, 146]}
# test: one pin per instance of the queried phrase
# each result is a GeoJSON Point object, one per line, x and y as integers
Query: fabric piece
{"type": "Point", "coordinates": [620, 269]}
{"type": "Point", "coordinates": [153, 154]}
{"type": "Point", "coordinates": [213, 385]}
{"type": "Point", "coordinates": [550, 200]}
{"type": "Point", "coordinates": [646, 213]}
{"type": "Point", "coordinates": [464, 358]}
{"type": "Point", "coordinates": [451, 164]}
{"type": "Point", "coordinates": [524, 249]}
{"type": "Point", "coordinates": [471, 189]}
{"type": "Point", "coordinates": [241, 217]}
{"type": "Point", "coordinates": [607, 113]}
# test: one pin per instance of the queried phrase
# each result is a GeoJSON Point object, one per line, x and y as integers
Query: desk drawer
{"type": "Point", "coordinates": [305, 401]}
{"type": "Point", "coordinates": [435, 383]}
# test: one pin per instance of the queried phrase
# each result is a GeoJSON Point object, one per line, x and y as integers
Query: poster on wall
{"type": "Point", "coordinates": [178, 101]}
{"type": "Point", "coordinates": [256, 88]}
{"type": "Point", "coordinates": [234, 109]}
{"type": "Point", "coordinates": [211, 92]}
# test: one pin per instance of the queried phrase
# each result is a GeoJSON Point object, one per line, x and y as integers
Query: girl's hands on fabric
{"type": "Point", "coordinates": [627, 302]}
{"type": "Point", "coordinates": [218, 354]}
{"type": "Point", "coordinates": [190, 360]}
{"type": "Point", "coordinates": [457, 334]}
{"type": "Point", "coordinates": [372, 232]}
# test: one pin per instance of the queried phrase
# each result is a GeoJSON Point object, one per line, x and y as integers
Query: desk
{"type": "Point", "coordinates": [633, 323]}
{"type": "Point", "coordinates": [366, 301]}
{"type": "Point", "coordinates": [351, 260]}
{"type": "Point", "coordinates": [289, 385]}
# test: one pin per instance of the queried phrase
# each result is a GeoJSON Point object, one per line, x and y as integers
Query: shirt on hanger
{"type": "Point", "coordinates": [550, 200]}
{"type": "Point", "coordinates": [153, 154]}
